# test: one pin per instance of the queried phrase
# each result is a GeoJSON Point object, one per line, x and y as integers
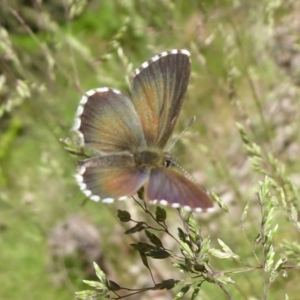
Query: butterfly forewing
{"type": "Point", "coordinates": [158, 90]}
{"type": "Point", "coordinates": [168, 186]}
{"type": "Point", "coordinates": [108, 122]}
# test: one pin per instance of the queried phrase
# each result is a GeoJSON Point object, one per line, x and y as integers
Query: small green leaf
{"type": "Point", "coordinates": [154, 239]}
{"type": "Point", "coordinates": [142, 247]}
{"type": "Point", "coordinates": [166, 284]}
{"type": "Point", "coordinates": [205, 245]}
{"type": "Point", "coordinates": [182, 267]}
{"type": "Point", "coordinates": [160, 214]}
{"type": "Point", "coordinates": [196, 291]}
{"type": "Point", "coordinates": [258, 239]}
{"type": "Point", "coordinates": [281, 261]}
{"type": "Point", "coordinates": [283, 199]}
{"type": "Point", "coordinates": [182, 292]}
{"type": "Point", "coordinates": [145, 260]}
{"type": "Point", "coordinates": [137, 228]}
{"type": "Point", "coordinates": [141, 193]}
{"type": "Point", "coordinates": [157, 253]}
{"type": "Point", "coordinates": [192, 223]}
{"type": "Point", "coordinates": [294, 214]}
{"type": "Point", "coordinates": [86, 295]}
{"type": "Point", "coordinates": [223, 255]}
{"type": "Point", "coordinates": [182, 235]}
{"type": "Point", "coordinates": [95, 284]}
{"type": "Point", "coordinates": [201, 267]}
{"type": "Point", "coordinates": [245, 213]}
{"type": "Point", "coordinates": [100, 274]}
{"type": "Point", "coordinates": [220, 202]}
{"type": "Point", "coordinates": [270, 258]}
{"type": "Point", "coordinates": [227, 250]}
{"type": "Point", "coordinates": [188, 264]}
{"type": "Point", "coordinates": [124, 216]}
{"type": "Point", "coordinates": [286, 297]}
{"type": "Point", "coordinates": [113, 286]}
{"type": "Point", "coordinates": [186, 248]}
{"type": "Point", "coordinates": [221, 278]}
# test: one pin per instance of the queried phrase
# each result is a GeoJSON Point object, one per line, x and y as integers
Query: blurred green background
{"type": "Point", "coordinates": [245, 68]}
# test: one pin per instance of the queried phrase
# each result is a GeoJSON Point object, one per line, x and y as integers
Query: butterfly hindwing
{"type": "Point", "coordinates": [168, 186]}
{"type": "Point", "coordinates": [110, 177]}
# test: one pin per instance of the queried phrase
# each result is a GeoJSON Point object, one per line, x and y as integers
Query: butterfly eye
{"type": "Point", "coordinates": [167, 163]}
{"type": "Point", "coordinates": [169, 160]}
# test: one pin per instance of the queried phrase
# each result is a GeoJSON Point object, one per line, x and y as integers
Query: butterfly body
{"type": "Point", "coordinates": [129, 134]}
{"type": "Point", "coordinates": [149, 158]}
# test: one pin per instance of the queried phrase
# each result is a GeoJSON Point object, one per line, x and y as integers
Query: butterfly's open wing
{"type": "Point", "coordinates": [158, 90]}
{"type": "Point", "coordinates": [107, 121]}
{"type": "Point", "coordinates": [167, 186]}
{"type": "Point", "coordinates": [110, 177]}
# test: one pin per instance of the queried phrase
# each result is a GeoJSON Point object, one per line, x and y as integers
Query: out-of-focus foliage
{"type": "Point", "coordinates": [245, 68]}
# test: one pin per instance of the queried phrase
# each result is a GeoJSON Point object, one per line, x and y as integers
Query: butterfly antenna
{"type": "Point", "coordinates": [185, 172]}
{"type": "Point", "coordinates": [182, 133]}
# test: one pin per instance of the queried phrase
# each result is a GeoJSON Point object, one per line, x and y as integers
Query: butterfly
{"type": "Point", "coordinates": [128, 136]}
